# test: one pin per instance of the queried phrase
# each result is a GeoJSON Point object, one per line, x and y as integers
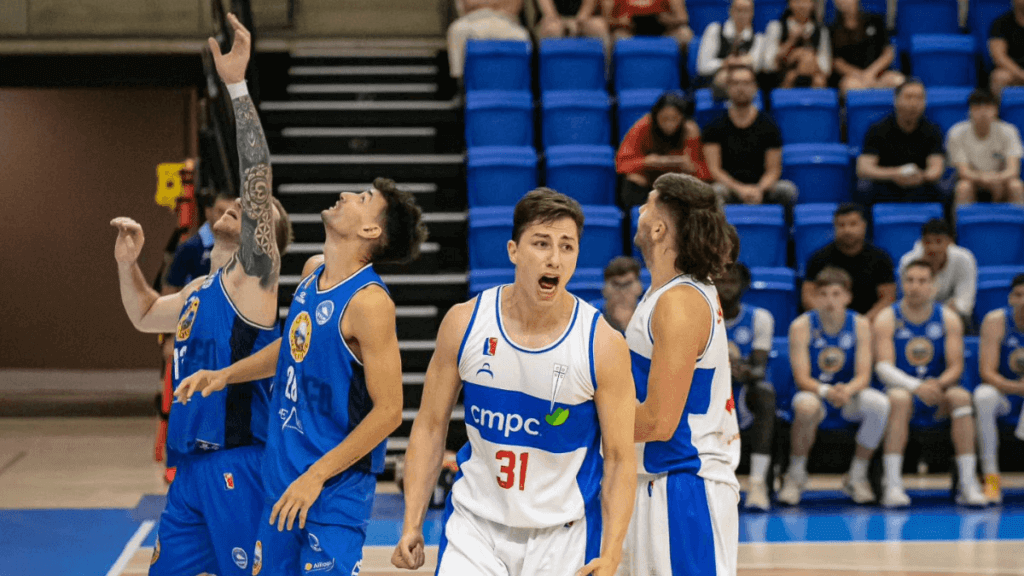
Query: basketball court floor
{"type": "Point", "coordinates": [81, 496]}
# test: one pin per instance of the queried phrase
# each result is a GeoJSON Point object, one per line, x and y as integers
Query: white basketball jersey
{"type": "Point", "coordinates": [707, 440]}
{"type": "Point", "coordinates": [533, 457]}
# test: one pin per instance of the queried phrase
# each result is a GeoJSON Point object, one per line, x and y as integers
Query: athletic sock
{"type": "Point", "coordinates": [967, 464]}
{"type": "Point", "coordinates": [989, 464]}
{"type": "Point", "coordinates": [759, 464]}
{"type": "Point", "coordinates": [859, 469]}
{"type": "Point", "coordinates": [892, 465]}
{"type": "Point", "coordinates": [798, 466]}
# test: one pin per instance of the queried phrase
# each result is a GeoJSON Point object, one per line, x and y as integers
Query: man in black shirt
{"type": "Point", "coordinates": [743, 148]}
{"type": "Point", "coordinates": [1006, 46]}
{"type": "Point", "coordinates": [874, 284]}
{"type": "Point", "coordinates": [903, 156]}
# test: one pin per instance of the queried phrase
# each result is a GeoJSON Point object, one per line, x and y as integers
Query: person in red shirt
{"type": "Point", "coordinates": [662, 141]}
{"type": "Point", "coordinates": [629, 18]}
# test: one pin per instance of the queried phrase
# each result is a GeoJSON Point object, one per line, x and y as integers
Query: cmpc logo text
{"type": "Point", "coordinates": [503, 422]}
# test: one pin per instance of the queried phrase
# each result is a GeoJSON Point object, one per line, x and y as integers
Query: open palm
{"type": "Point", "coordinates": [231, 66]}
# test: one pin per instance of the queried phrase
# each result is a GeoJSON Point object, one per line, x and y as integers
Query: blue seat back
{"type": "Point", "coordinates": [898, 226]}
{"type": "Point", "coordinates": [571, 64]}
{"type": "Point", "coordinates": [576, 117]}
{"type": "Point", "coordinates": [490, 228]}
{"type": "Point", "coordinates": [780, 374]}
{"type": "Point", "coordinates": [500, 175]}
{"type": "Point", "coordinates": [947, 106]}
{"type": "Point", "coordinates": [993, 288]}
{"type": "Point", "coordinates": [586, 173]}
{"type": "Point", "coordinates": [1011, 106]}
{"type": "Point", "coordinates": [812, 229]}
{"type": "Point", "coordinates": [633, 104]}
{"type": "Point", "coordinates": [707, 109]}
{"type": "Point", "coordinates": [767, 10]}
{"type": "Point", "coordinates": [806, 114]}
{"type": "Point", "coordinates": [691, 57]}
{"type": "Point", "coordinates": [993, 232]}
{"type": "Point", "coordinates": [864, 108]}
{"type": "Point", "coordinates": [646, 63]}
{"type": "Point", "coordinates": [704, 12]}
{"type": "Point", "coordinates": [943, 59]}
{"type": "Point", "coordinates": [499, 118]}
{"type": "Point", "coordinates": [762, 231]}
{"type": "Point", "coordinates": [497, 65]}
{"type": "Point", "coordinates": [602, 236]}
{"type": "Point", "coordinates": [774, 289]}
{"type": "Point", "coordinates": [821, 172]}
{"type": "Point", "coordinates": [926, 17]}
{"type": "Point", "coordinates": [879, 7]}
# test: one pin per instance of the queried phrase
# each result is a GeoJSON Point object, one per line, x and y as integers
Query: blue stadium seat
{"type": "Point", "coordinates": [497, 65]}
{"type": "Point", "coordinates": [1011, 106]}
{"type": "Point", "coordinates": [864, 108]}
{"type": "Point", "coordinates": [646, 63]}
{"type": "Point", "coordinates": [762, 231]}
{"type": "Point", "coordinates": [571, 64]}
{"type": "Point", "coordinates": [490, 228]}
{"type": "Point", "coordinates": [602, 236]}
{"type": "Point", "coordinates": [587, 173]}
{"type": "Point", "coordinates": [706, 108]}
{"type": "Point", "coordinates": [780, 374]}
{"type": "Point", "coordinates": [926, 17]}
{"type": "Point", "coordinates": [943, 59]}
{"type": "Point", "coordinates": [500, 175]}
{"type": "Point", "coordinates": [980, 16]}
{"type": "Point", "coordinates": [947, 106]}
{"type": "Point", "coordinates": [806, 114]}
{"type": "Point", "coordinates": [993, 232]}
{"type": "Point", "coordinates": [880, 7]}
{"type": "Point", "coordinates": [586, 283]}
{"type": "Point", "coordinates": [576, 117]}
{"type": "Point", "coordinates": [812, 229]}
{"type": "Point", "coordinates": [704, 12]}
{"type": "Point", "coordinates": [634, 216]}
{"type": "Point", "coordinates": [633, 104]}
{"type": "Point", "coordinates": [774, 289]}
{"type": "Point", "coordinates": [821, 171]}
{"type": "Point", "coordinates": [993, 288]}
{"type": "Point", "coordinates": [767, 10]}
{"type": "Point", "coordinates": [971, 377]}
{"type": "Point", "coordinates": [499, 118]}
{"type": "Point", "coordinates": [898, 226]}
{"type": "Point", "coordinates": [691, 57]}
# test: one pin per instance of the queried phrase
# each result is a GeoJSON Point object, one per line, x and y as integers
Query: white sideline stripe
{"type": "Point", "coordinates": [366, 158]}
{"type": "Point", "coordinates": [316, 247]}
{"type": "Point", "coordinates": [360, 106]}
{"type": "Point", "coordinates": [430, 217]}
{"type": "Point", "coordinates": [361, 88]}
{"type": "Point", "coordinates": [131, 548]}
{"type": "Point", "coordinates": [339, 188]}
{"type": "Point", "coordinates": [349, 132]}
{"type": "Point", "coordinates": [361, 70]}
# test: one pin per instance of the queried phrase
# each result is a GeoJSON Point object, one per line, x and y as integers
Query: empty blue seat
{"type": "Point", "coordinates": [646, 63]}
{"type": "Point", "coordinates": [691, 57]}
{"type": "Point", "coordinates": [943, 59]}
{"type": "Point", "coordinates": [602, 236]}
{"type": "Point", "coordinates": [864, 108]}
{"type": "Point", "coordinates": [490, 229]}
{"type": "Point", "coordinates": [571, 64]}
{"type": "Point", "coordinates": [821, 171]}
{"type": "Point", "coordinates": [780, 373]}
{"type": "Point", "coordinates": [1011, 106]}
{"type": "Point", "coordinates": [947, 106]}
{"type": "Point", "coordinates": [926, 17]}
{"type": "Point", "coordinates": [767, 10]}
{"type": "Point", "coordinates": [993, 232]}
{"type": "Point", "coordinates": [633, 104]}
{"type": "Point", "coordinates": [586, 283]}
{"type": "Point", "coordinates": [880, 7]}
{"type": "Point", "coordinates": [704, 12]}
{"type": "Point", "coordinates": [497, 65]}
{"type": "Point", "coordinates": [706, 108]}
{"type": "Point", "coordinates": [806, 114]}
{"type": "Point", "coordinates": [812, 229]}
{"type": "Point", "coordinates": [634, 217]}
{"type": "Point", "coordinates": [499, 118]}
{"type": "Point", "coordinates": [993, 288]}
{"type": "Point", "coordinates": [762, 231]}
{"type": "Point", "coordinates": [500, 175]}
{"type": "Point", "coordinates": [898, 226]}
{"type": "Point", "coordinates": [576, 117]}
{"type": "Point", "coordinates": [980, 16]}
{"type": "Point", "coordinates": [774, 289]}
{"type": "Point", "coordinates": [587, 173]}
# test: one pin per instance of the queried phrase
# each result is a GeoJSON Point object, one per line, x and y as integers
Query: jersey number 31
{"type": "Point", "coordinates": [509, 469]}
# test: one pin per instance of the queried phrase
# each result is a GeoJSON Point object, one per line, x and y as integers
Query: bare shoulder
{"type": "Point", "coordinates": [456, 320]}
{"type": "Point", "coordinates": [608, 341]}
{"type": "Point", "coordinates": [885, 319]}
{"type": "Point", "coordinates": [995, 318]}
{"type": "Point", "coordinates": [372, 301]}
{"type": "Point", "coordinates": [801, 324]}
{"type": "Point", "coordinates": [312, 264]}
{"type": "Point", "coordinates": [692, 129]}
{"type": "Point", "coordinates": [191, 287]}
{"type": "Point", "coordinates": [861, 322]}
{"type": "Point", "coordinates": [952, 321]}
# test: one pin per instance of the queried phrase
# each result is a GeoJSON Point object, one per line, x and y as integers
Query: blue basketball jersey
{"type": "Point", "coordinates": [320, 397]}
{"type": "Point", "coordinates": [1011, 351]}
{"type": "Point", "coordinates": [740, 331]}
{"type": "Point", "coordinates": [833, 359]}
{"type": "Point", "coordinates": [920, 348]}
{"type": "Point", "coordinates": [211, 334]}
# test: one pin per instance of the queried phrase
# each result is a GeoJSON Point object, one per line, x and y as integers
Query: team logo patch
{"type": "Point", "coordinates": [229, 482]}
{"type": "Point", "coordinates": [240, 557]}
{"type": "Point", "coordinates": [257, 559]}
{"type": "Point", "coordinates": [322, 566]}
{"type": "Point", "coordinates": [314, 543]}
{"type": "Point", "coordinates": [730, 404]}
{"type": "Point", "coordinates": [933, 330]}
{"type": "Point", "coordinates": [324, 311]}
{"type": "Point", "coordinates": [831, 360]}
{"type": "Point", "coordinates": [846, 340]}
{"type": "Point", "coordinates": [156, 552]}
{"type": "Point", "coordinates": [187, 320]}
{"type": "Point", "coordinates": [743, 336]}
{"type": "Point", "coordinates": [209, 279]}
{"type": "Point", "coordinates": [1016, 361]}
{"type": "Point", "coordinates": [485, 369]}
{"type": "Point", "coordinates": [490, 346]}
{"type": "Point", "coordinates": [919, 352]}
{"type": "Point", "coordinates": [299, 335]}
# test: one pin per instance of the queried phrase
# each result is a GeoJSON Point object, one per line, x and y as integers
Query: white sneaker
{"type": "Point", "coordinates": [792, 490]}
{"type": "Point", "coordinates": [971, 495]}
{"type": "Point", "coordinates": [895, 497]}
{"type": "Point", "coordinates": [757, 496]}
{"type": "Point", "coordinates": [859, 490]}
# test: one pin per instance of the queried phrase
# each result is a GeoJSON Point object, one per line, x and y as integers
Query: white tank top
{"type": "Point", "coordinates": [533, 457]}
{"type": "Point", "coordinates": [707, 441]}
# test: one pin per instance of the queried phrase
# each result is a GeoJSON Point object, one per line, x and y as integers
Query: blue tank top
{"type": "Point", "coordinates": [211, 334]}
{"type": "Point", "coordinates": [320, 396]}
{"type": "Point", "coordinates": [741, 333]}
{"type": "Point", "coordinates": [833, 356]}
{"type": "Point", "coordinates": [920, 348]}
{"type": "Point", "coordinates": [1011, 352]}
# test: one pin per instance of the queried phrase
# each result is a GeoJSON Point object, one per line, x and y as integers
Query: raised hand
{"type": "Point", "coordinates": [129, 241]}
{"type": "Point", "coordinates": [231, 66]}
{"type": "Point", "coordinates": [409, 552]}
{"type": "Point", "coordinates": [205, 382]}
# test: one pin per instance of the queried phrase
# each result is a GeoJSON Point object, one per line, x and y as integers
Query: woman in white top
{"type": "Point", "coordinates": [797, 47]}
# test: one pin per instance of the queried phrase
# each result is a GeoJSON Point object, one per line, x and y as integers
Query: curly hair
{"type": "Point", "coordinates": [404, 230]}
{"type": "Point", "coordinates": [701, 232]}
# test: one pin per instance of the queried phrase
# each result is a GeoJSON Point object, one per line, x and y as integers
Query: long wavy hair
{"type": "Point", "coordinates": [702, 240]}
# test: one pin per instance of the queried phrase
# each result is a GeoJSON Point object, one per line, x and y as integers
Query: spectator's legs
{"type": "Point", "coordinates": [551, 28]}
{"type": "Point", "coordinates": [634, 191]}
{"type": "Point", "coordinates": [961, 412]}
{"type": "Point", "coordinates": [851, 82]}
{"type": "Point", "coordinates": [479, 24]}
{"type": "Point", "coordinates": [1009, 190]}
{"type": "Point", "coordinates": [808, 412]}
{"type": "Point", "coordinates": [989, 404]}
{"type": "Point", "coordinates": [783, 192]}
{"type": "Point", "coordinates": [682, 35]}
{"type": "Point", "coordinates": [1000, 78]}
{"type": "Point", "coordinates": [901, 409]}
{"type": "Point", "coordinates": [964, 192]}
{"type": "Point", "coordinates": [458, 34]}
{"type": "Point", "coordinates": [597, 27]}
{"type": "Point", "coordinates": [724, 193]}
{"type": "Point", "coordinates": [889, 79]}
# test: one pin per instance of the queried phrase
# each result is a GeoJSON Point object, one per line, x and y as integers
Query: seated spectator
{"type": "Point", "coordinates": [902, 159]}
{"type": "Point", "coordinates": [743, 148]}
{"type": "Point", "coordinates": [568, 18]}
{"type": "Point", "coordinates": [986, 153]}
{"type": "Point", "coordinates": [830, 355]}
{"type": "Point", "coordinates": [192, 258]}
{"type": "Point", "coordinates": [728, 44]}
{"type": "Point", "coordinates": [628, 18]}
{"type": "Point", "coordinates": [797, 47]}
{"type": "Point", "coordinates": [482, 20]}
{"type": "Point", "coordinates": [861, 53]}
{"type": "Point", "coordinates": [1006, 46]}
{"type": "Point", "coordinates": [954, 269]}
{"type": "Point", "coordinates": [621, 292]}
{"type": "Point", "coordinates": [874, 287]}
{"type": "Point", "coordinates": [662, 141]}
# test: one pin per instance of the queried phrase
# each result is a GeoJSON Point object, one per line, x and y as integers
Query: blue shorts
{"type": "Point", "coordinates": [213, 506]}
{"type": "Point", "coordinates": [317, 549]}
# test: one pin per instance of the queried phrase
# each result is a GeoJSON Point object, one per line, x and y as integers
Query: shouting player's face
{"type": "Point", "coordinates": [545, 257]}
{"type": "Point", "coordinates": [356, 214]}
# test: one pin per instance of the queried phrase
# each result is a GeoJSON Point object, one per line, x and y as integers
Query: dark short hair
{"type": "Point", "coordinates": [936, 226]}
{"type": "Point", "coordinates": [850, 208]}
{"type": "Point", "coordinates": [734, 242]}
{"type": "Point", "coordinates": [908, 82]}
{"type": "Point", "coordinates": [404, 230]}
{"type": "Point", "coordinates": [621, 265]}
{"type": "Point", "coordinates": [981, 97]}
{"type": "Point", "coordinates": [701, 235]}
{"type": "Point", "coordinates": [737, 67]}
{"type": "Point", "coordinates": [1017, 281]}
{"type": "Point", "coordinates": [833, 276]}
{"type": "Point", "coordinates": [920, 263]}
{"type": "Point", "coordinates": [664, 143]}
{"type": "Point", "coordinates": [283, 233]}
{"type": "Point", "coordinates": [545, 205]}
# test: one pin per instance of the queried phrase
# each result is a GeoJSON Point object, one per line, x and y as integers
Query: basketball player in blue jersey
{"type": "Point", "coordinates": [337, 389]}
{"type": "Point", "coordinates": [1001, 394]}
{"type": "Point", "coordinates": [547, 389]}
{"type": "Point", "coordinates": [209, 523]}
{"type": "Point", "coordinates": [686, 517]}
{"type": "Point", "coordinates": [830, 354]}
{"type": "Point", "coordinates": [919, 357]}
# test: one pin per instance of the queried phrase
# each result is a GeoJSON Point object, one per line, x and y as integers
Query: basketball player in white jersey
{"type": "Point", "coordinates": [547, 387]}
{"type": "Point", "coordinates": [685, 519]}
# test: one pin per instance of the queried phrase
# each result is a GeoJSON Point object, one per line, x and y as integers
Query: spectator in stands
{"type": "Point", "coordinates": [621, 291]}
{"type": "Point", "coordinates": [797, 47]}
{"type": "Point", "coordinates": [986, 153]}
{"type": "Point", "coordinates": [830, 354]}
{"type": "Point", "coordinates": [568, 18]}
{"type": "Point", "coordinates": [874, 286]}
{"type": "Point", "coordinates": [750, 331]}
{"type": "Point", "coordinates": [954, 269]}
{"type": "Point", "coordinates": [628, 18]}
{"type": "Point", "coordinates": [743, 148]}
{"type": "Point", "coordinates": [662, 141]}
{"type": "Point", "coordinates": [482, 20]}
{"type": "Point", "coordinates": [192, 259]}
{"type": "Point", "coordinates": [1001, 366]}
{"type": "Point", "coordinates": [861, 52]}
{"type": "Point", "coordinates": [903, 158]}
{"type": "Point", "coordinates": [728, 44]}
{"type": "Point", "coordinates": [1006, 46]}
{"type": "Point", "coordinates": [919, 357]}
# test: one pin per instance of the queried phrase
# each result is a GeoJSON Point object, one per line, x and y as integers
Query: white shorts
{"type": "Point", "coordinates": [682, 525]}
{"type": "Point", "coordinates": [473, 546]}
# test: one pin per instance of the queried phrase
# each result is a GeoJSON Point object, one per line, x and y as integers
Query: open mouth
{"type": "Point", "coordinates": [548, 283]}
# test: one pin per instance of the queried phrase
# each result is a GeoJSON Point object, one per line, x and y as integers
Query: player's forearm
{"type": "Point", "coordinates": [423, 460]}
{"type": "Point", "coordinates": [137, 296]}
{"type": "Point", "coordinates": [367, 435]}
{"type": "Point", "coordinates": [618, 492]}
{"type": "Point", "coordinates": [950, 376]}
{"type": "Point", "coordinates": [650, 426]}
{"type": "Point", "coordinates": [994, 378]}
{"type": "Point", "coordinates": [262, 364]}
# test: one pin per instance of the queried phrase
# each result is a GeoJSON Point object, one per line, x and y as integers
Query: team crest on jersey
{"type": "Point", "coordinates": [188, 319]}
{"type": "Point", "coordinates": [314, 543]}
{"type": "Point", "coordinates": [490, 346]}
{"type": "Point", "coordinates": [933, 330]}
{"type": "Point", "coordinates": [1016, 361]}
{"type": "Point", "coordinates": [324, 311]}
{"type": "Point", "coordinates": [846, 340]}
{"type": "Point", "coordinates": [240, 558]}
{"type": "Point", "coordinates": [156, 552]}
{"type": "Point", "coordinates": [831, 360]}
{"type": "Point", "coordinates": [229, 481]}
{"type": "Point", "coordinates": [919, 352]}
{"type": "Point", "coordinates": [207, 283]}
{"type": "Point", "coordinates": [299, 335]}
{"type": "Point", "coordinates": [743, 336]}
{"type": "Point", "coordinates": [257, 559]}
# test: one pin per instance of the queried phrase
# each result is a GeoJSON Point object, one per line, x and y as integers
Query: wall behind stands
{"type": "Point", "coordinates": [73, 159]}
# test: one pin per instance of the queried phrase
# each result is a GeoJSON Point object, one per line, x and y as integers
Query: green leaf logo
{"type": "Point", "coordinates": [558, 417]}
